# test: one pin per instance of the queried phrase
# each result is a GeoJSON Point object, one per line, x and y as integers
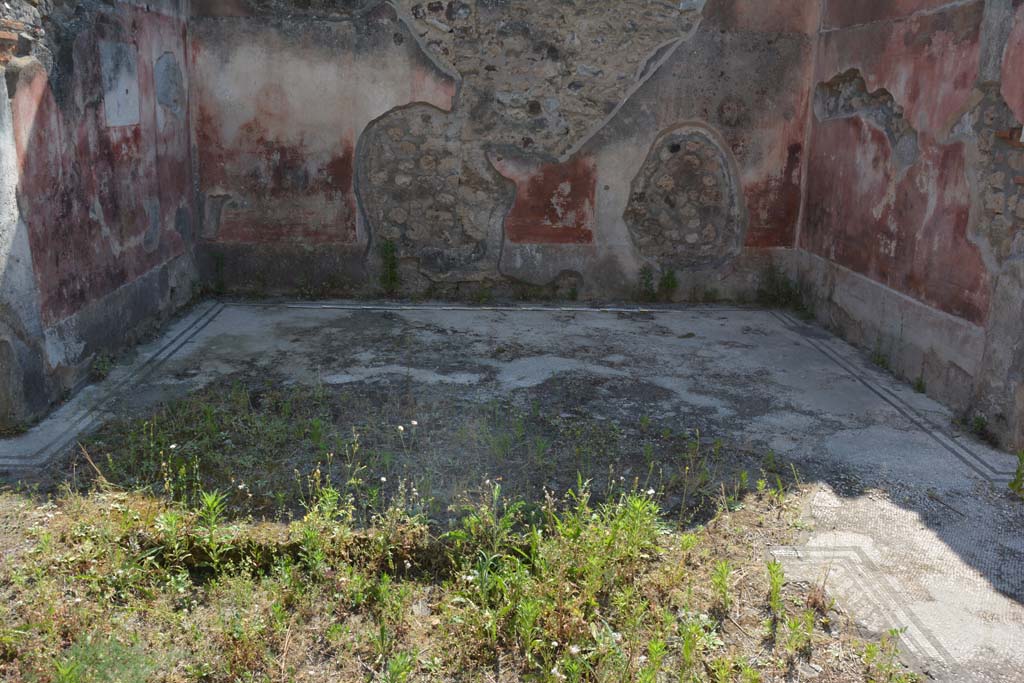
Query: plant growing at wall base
{"type": "Point", "coordinates": [880, 359]}
{"type": "Point", "coordinates": [1017, 484]}
{"type": "Point", "coordinates": [483, 296]}
{"type": "Point", "coordinates": [645, 288]}
{"type": "Point", "coordinates": [101, 367]}
{"type": "Point", "coordinates": [667, 285]}
{"type": "Point", "coordinates": [979, 427]}
{"type": "Point", "coordinates": [13, 430]}
{"type": "Point", "coordinates": [389, 280]}
{"type": "Point", "coordinates": [777, 290]}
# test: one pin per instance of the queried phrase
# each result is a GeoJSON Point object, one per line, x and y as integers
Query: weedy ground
{"type": "Point", "coordinates": [258, 532]}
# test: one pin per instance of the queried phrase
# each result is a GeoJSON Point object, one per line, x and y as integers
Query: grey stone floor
{"type": "Point", "coordinates": [910, 525]}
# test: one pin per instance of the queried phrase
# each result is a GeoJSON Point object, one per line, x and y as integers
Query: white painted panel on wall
{"type": "Point", "coordinates": [120, 83]}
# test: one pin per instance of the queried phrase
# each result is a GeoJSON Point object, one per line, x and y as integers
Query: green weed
{"type": "Point", "coordinates": [777, 290]}
{"type": "Point", "coordinates": [645, 288]}
{"type": "Point", "coordinates": [720, 581]}
{"type": "Point", "coordinates": [1017, 483]}
{"type": "Point", "coordinates": [667, 285]}
{"type": "Point", "coordinates": [776, 578]}
{"type": "Point", "coordinates": [101, 367]}
{"type": "Point", "coordinates": [389, 278]}
{"type": "Point", "coordinates": [881, 660]}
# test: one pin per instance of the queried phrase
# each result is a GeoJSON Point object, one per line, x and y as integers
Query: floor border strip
{"type": "Point", "coordinates": [968, 457]}
{"type": "Point", "coordinates": [85, 417]}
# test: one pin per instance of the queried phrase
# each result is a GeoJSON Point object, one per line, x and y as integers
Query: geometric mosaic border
{"type": "Point", "coordinates": [867, 594]}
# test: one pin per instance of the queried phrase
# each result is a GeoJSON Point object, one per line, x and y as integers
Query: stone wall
{"type": "Point", "coordinates": [97, 209]}
{"type": "Point", "coordinates": [729, 98]}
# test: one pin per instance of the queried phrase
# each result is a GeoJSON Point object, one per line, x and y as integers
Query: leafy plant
{"type": "Point", "coordinates": [881, 660]}
{"type": "Point", "coordinates": [98, 659]}
{"type": "Point", "coordinates": [980, 428]}
{"type": "Point", "coordinates": [721, 669]}
{"type": "Point", "coordinates": [667, 285]}
{"type": "Point", "coordinates": [720, 581]}
{"type": "Point", "coordinates": [212, 508]}
{"type": "Point", "coordinates": [171, 526]}
{"type": "Point", "coordinates": [68, 671]}
{"type": "Point", "coordinates": [776, 578]}
{"type": "Point", "coordinates": [799, 632]}
{"type": "Point", "coordinates": [399, 668]}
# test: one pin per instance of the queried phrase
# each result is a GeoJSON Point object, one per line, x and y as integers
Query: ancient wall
{"type": "Point", "coordinates": [507, 146]}
{"type": "Point", "coordinates": [281, 103]}
{"type": "Point", "coordinates": [914, 192]}
{"type": "Point", "coordinates": [696, 173]}
{"type": "Point", "coordinates": [96, 213]}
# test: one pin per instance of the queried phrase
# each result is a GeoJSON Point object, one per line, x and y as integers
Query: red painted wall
{"type": "Point", "coordinates": [101, 201]}
{"type": "Point", "coordinates": [770, 149]}
{"type": "Point", "coordinates": [904, 227]}
{"type": "Point", "coordinates": [279, 112]}
{"type": "Point", "coordinates": [554, 202]}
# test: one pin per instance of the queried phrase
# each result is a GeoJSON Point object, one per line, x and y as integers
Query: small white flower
{"type": "Point", "coordinates": [415, 423]}
{"type": "Point", "coordinates": [173, 446]}
{"type": "Point", "coordinates": [554, 643]}
{"type": "Point", "coordinates": [574, 650]}
{"type": "Point", "coordinates": [650, 492]}
{"type": "Point", "coordinates": [617, 637]}
{"type": "Point", "coordinates": [408, 564]}
{"type": "Point", "coordinates": [401, 428]}
{"type": "Point", "coordinates": [383, 480]}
